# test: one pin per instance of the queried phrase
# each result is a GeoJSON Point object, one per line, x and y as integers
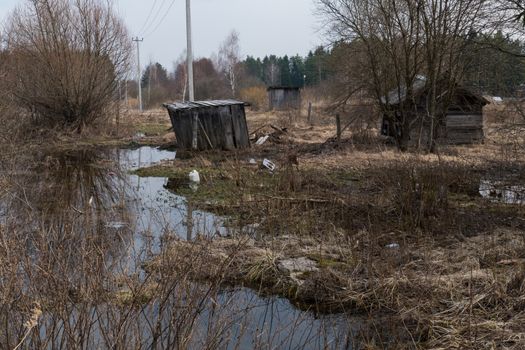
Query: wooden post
{"type": "Point", "coordinates": [195, 133]}
{"type": "Point", "coordinates": [338, 122]}
{"type": "Point", "coordinates": [189, 221]}
{"type": "Point", "coordinates": [310, 112]}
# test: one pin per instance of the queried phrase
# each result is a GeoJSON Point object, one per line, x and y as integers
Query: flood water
{"type": "Point", "coordinates": [156, 210]}
{"type": "Point", "coordinates": [92, 194]}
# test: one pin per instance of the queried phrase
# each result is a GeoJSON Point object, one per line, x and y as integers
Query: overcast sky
{"type": "Point", "coordinates": [265, 26]}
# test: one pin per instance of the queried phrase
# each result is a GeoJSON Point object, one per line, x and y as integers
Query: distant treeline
{"type": "Point", "coordinates": [290, 71]}
{"type": "Point", "coordinates": [496, 68]}
{"type": "Point", "coordinates": [496, 65]}
{"type": "Point", "coordinates": [211, 82]}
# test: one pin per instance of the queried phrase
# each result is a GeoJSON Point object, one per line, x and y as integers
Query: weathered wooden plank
{"type": "Point", "coordinates": [208, 121]}
{"type": "Point", "coordinates": [465, 136]}
{"type": "Point", "coordinates": [226, 127]}
{"type": "Point", "coordinates": [284, 98]}
{"type": "Point", "coordinates": [221, 124]}
{"type": "Point", "coordinates": [471, 120]}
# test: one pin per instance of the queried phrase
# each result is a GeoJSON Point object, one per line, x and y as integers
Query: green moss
{"type": "Point", "coordinates": [325, 262]}
{"type": "Point", "coordinates": [152, 129]}
{"type": "Point", "coordinates": [221, 190]}
{"type": "Point", "coordinates": [157, 171]}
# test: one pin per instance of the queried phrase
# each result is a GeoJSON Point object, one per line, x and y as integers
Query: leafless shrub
{"type": "Point", "coordinates": [256, 96]}
{"type": "Point", "coordinates": [65, 59]}
{"type": "Point", "coordinates": [389, 45]}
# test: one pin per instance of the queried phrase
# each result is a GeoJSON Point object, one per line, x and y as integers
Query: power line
{"type": "Point", "coordinates": [162, 19]}
{"type": "Point", "coordinates": [149, 16]}
{"type": "Point", "coordinates": [154, 19]}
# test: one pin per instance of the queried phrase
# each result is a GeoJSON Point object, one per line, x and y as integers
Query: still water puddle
{"type": "Point", "coordinates": [93, 193]}
{"type": "Point", "coordinates": [159, 211]}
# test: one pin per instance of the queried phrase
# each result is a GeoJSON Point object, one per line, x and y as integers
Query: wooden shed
{"type": "Point", "coordinates": [284, 97]}
{"type": "Point", "coordinates": [220, 124]}
{"type": "Point", "coordinates": [462, 120]}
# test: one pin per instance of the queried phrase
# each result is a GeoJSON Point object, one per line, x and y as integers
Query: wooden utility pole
{"type": "Point", "coordinates": [139, 71]}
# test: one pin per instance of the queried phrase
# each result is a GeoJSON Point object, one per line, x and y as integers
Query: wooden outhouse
{"type": "Point", "coordinates": [461, 119]}
{"type": "Point", "coordinates": [284, 97]}
{"type": "Point", "coordinates": [220, 124]}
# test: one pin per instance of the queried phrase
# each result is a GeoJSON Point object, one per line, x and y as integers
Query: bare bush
{"type": "Point", "coordinates": [256, 96]}
{"type": "Point", "coordinates": [65, 60]}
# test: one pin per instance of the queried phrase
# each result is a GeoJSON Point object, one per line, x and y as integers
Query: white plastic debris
{"type": "Point", "coordinates": [268, 164]}
{"type": "Point", "coordinates": [252, 161]}
{"type": "Point", "coordinates": [262, 140]}
{"type": "Point", "coordinates": [139, 136]}
{"type": "Point", "coordinates": [392, 246]}
{"type": "Point", "coordinates": [116, 225]}
{"type": "Point", "coordinates": [195, 177]}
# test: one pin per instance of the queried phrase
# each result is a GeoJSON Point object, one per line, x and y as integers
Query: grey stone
{"type": "Point", "coordinates": [297, 265]}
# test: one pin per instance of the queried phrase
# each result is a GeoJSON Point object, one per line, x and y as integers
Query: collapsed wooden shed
{"type": "Point", "coordinates": [220, 124]}
{"type": "Point", "coordinates": [461, 119]}
{"type": "Point", "coordinates": [284, 97]}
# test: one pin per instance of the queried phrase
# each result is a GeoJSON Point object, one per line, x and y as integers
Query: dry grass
{"type": "Point", "coordinates": [454, 278]}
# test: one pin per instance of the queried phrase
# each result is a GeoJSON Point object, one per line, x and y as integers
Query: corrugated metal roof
{"type": "Point", "coordinates": [399, 95]}
{"type": "Point", "coordinates": [201, 104]}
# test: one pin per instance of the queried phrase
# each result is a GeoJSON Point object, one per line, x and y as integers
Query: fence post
{"type": "Point", "coordinates": [338, 123]}
{"type": "Point", "coordinates": [310, 112]}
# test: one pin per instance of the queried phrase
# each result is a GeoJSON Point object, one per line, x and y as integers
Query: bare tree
{"type": "Point", "coordinates": [406, 43]}
{"type": "Point", "coordinates": [65, 59]}
{"type": "Point", "coordinates": [180, 76]}
{"type": "Point", "coordinates": [229, 58]}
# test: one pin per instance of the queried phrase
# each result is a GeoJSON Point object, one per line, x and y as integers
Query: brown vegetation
{"type": "Point", "coordinates": [405, 239]}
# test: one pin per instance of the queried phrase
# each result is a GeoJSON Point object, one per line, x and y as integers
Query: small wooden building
{"type": "Point", "coordinates": [284, 97]}
{"type": "Point", "coordinates": [220, 124]}
{"type": "Point", "coordinates": [461, 123]}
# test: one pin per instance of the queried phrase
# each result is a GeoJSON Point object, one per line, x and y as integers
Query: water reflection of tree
{"type": "Point", "coordinates": [58, 255]}
{"type": "Point", "coordinates": [76, 197]}
{"type": "Point", "coordinates": [65, 237]}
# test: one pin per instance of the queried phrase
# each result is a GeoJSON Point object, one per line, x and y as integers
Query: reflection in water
{"type": "Point", "coordinates": [273, 323]}
{"type": "Point", "coordinates": [78, 230]}
{"type": "Point", "coordinates": [500, 191]}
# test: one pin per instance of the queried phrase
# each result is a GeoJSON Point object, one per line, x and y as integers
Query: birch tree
{"type": "Point", "coordinates": [229, 59]}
